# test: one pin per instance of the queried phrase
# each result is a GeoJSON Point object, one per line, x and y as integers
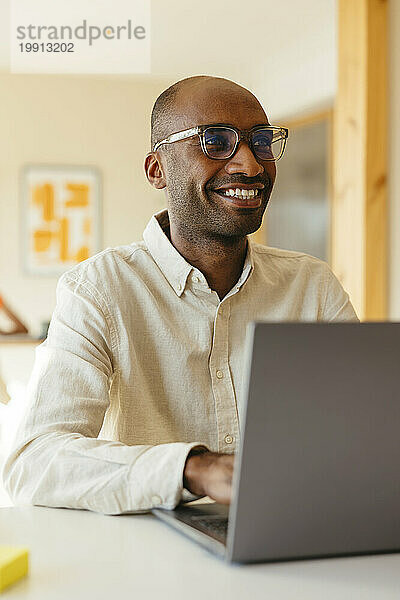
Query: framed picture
{"type": "Point", "coordinates": [61, 217]}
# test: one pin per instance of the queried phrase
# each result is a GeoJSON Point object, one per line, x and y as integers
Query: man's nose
{"type": "Point", "coordinates": [244, 161]}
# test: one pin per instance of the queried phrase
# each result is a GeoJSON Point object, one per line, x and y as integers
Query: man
{"type": "Point", "coordinates": [135, 394]}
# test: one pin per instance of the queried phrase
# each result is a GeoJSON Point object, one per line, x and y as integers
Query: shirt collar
{"type": "Point", "coordinates": [172, 264]}
{"type": "Point", "coordinates": [248, 266]}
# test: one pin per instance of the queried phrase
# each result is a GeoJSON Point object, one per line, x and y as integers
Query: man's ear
{"type": "Point", "coordinates": [154, 171]}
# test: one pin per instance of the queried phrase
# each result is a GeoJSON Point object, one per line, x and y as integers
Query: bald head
{"type": "Point", "coordinates": [185, 103]}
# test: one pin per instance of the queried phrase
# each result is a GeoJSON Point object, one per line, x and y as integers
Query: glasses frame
{"type": "Point", "coordinates": [240, 135]}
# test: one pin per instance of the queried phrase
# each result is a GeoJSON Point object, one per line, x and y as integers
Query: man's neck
{"type": "Point", "coordinates": [220, 262]}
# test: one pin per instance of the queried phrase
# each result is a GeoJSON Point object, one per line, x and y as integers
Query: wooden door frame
{"type": "Point", "coordinates": [359, 209]}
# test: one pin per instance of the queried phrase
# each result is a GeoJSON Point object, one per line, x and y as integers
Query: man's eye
{"type": "Point", "coordinates": [262, 142]}
{"type": "Point", "coordinates": [215, 141]}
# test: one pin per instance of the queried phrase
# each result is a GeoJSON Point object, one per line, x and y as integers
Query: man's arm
{"type": "Point", "coordinates": [337, 306]}
{"type": "Point", "coordinates": [57, 459]}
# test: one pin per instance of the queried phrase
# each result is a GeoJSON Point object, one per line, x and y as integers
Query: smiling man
{"type": "Point", "coordinates": [213, 201]}
{"type": "Point", "coordinates": [135, 395]}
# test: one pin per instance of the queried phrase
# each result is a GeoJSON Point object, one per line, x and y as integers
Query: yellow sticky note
{"type": "Point", "coordinates": [13, 564]}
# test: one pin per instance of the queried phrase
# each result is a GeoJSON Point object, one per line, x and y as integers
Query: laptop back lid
{"type": "Point", "coordinates": [318, 471]}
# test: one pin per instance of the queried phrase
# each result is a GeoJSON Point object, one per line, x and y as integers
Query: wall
{"type": "Point", "coordinates": [73, 120]}
{"type": "Point", "coordinates": [285, 51]}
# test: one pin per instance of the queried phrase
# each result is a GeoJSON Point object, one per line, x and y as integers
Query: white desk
{"type": "Point", "coordinates": [82, 555]}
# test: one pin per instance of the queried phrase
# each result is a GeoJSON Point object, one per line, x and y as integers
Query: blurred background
{"type": "Point", "coordinates": [329, 70]}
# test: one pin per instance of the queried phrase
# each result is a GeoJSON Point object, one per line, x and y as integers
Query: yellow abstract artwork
{"type": "Point", "coordinates": [62, 217]}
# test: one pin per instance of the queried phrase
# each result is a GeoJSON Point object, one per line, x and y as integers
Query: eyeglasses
{"type": "Point", "coordinates": [221, 141]}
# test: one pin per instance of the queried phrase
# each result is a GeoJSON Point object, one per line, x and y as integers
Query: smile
{"type": "Point", "coordinates": [239, 193]}
{"type": "Point", "coordinates": [247, 197]}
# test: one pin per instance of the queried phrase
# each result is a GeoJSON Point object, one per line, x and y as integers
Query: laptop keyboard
{"type": "Point", "coordinates": [216, 527]}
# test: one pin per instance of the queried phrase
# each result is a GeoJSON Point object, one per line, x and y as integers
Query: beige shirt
{"type": "Point", "coordinates": [142, 363]}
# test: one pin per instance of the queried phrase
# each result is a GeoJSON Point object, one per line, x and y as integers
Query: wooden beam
{"type": "Point", "coordinates": [359, 208]}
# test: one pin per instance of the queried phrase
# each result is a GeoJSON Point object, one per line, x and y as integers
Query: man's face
{"type": "Point", "coordinates": [197, 205]}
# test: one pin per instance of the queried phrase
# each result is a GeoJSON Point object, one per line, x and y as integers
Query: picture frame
{"type": "Point", "coordinates": [61, 221]}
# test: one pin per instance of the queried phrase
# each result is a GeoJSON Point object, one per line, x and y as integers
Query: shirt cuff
{"type": "Point", "coordinates": [156, 477]}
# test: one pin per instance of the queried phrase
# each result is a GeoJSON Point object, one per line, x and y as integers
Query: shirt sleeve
{"type": "Point", "coordinates": [57, 459]}
{"type": "Point", "coordinates": [337, 302]}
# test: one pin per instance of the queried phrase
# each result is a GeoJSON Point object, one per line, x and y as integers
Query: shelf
{"type": "Point", "coordinates": [19, 339]}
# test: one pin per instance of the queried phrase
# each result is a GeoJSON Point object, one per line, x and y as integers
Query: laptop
{"type": "Point", "coordinates": [318, 469]}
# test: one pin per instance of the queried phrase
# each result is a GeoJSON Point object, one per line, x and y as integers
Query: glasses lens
{"type": "Point", "coordinates": [219, 142]}
{"type": "Point", "coordinates": [268, 144]}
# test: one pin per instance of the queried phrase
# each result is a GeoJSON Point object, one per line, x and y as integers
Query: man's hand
{"type": "Point", "coordinates": [210, 474]}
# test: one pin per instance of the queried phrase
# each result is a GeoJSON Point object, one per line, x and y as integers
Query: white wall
{"type": "Point", "coordinates": [284, 51]}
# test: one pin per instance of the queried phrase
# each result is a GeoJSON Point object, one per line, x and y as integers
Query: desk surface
{"type": "Point", "coordinates": [83, 555]}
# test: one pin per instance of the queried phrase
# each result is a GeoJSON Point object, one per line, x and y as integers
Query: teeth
{"type": "Point", "coordinates": [238, 193]}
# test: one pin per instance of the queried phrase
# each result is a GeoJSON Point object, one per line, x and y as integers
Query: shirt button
{"type": "Point", "coordinates": [179, 287]}
{"type": "Point", "coordinates": [228, 439]}
{"type": "Point", "coordinates": [196, 279]}
{"type": "Point", "coordinates": [220, 374]}
{"type": "Point", "coordinates": [156, 500]}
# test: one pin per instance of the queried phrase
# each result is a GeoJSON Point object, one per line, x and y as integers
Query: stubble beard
{"type": "Point", "coordinates": [200, 219]}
